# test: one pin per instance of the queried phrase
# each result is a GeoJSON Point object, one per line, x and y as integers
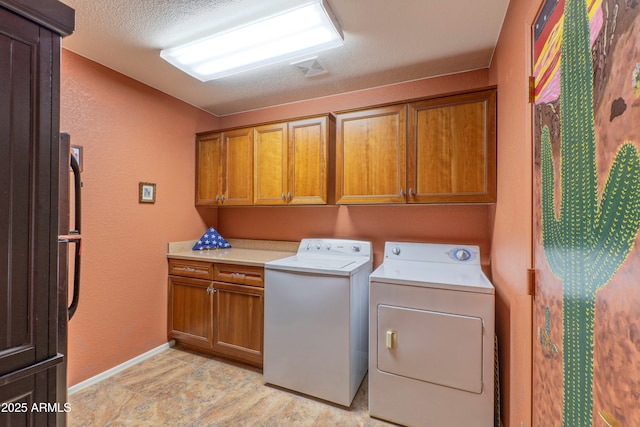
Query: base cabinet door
{"type": "Point", "coordinates": [190, 311]}
{"type": "Point", "coordinates": [238, 321]}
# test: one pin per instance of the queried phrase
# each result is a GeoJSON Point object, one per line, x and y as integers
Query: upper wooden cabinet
{"type": "Point", "coordinates": [237, 167]}
{"type": "Point", "coordinates": [224, 168]}
{"type": "Point", "coordinates": [270, 179]}
{"type": "Point", "coordinates": [208, 164]}
{"type": "Point", "coordinates": [452, 149]}
{"type": "Point", "coordinates": [292, 161]}
{"type": "Point", "coordinates": [440, 150]}
{"type": "Point", "coordinates": [371, 155]}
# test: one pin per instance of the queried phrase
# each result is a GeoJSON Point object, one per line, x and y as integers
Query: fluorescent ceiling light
{"type": "Point", "coordinates": [306, 29]}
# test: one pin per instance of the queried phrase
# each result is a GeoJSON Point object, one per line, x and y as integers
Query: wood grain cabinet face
{"type": "Point", "coordinates": [190, 311]}
{"type": "Point", "coordinates": [451, 149]}
{"type": "Point", "coordinates": [208, 163]}
{"type": "Point", "coordinates": [310, 166]}
{"type": "Point", "coordinates": [292, 162]}
{"type": "Point", "coordinates": [224, 168]}
{"type": "Point", "coordinates": [371, 155]}
{"type": "Point", "coordinates": [238, 321]}
{"type": "Point", "coordinates": [271, 166]}
{"type": "Point", "coordinates": [237, 167]}
{"type": "Point", "coordinates": [217, 308]}
{"type": "Point", "coordinates": [439, 150]}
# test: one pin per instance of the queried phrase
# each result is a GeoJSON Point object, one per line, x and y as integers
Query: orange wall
{"type": "Point", "coordinates": [362, 98]}
{"type": "Point", "coordinates": [512, 222]}
{"type": "Point", "coordinates": [129, 133]}
{"type": "Point", "coordinates": [438, 224]}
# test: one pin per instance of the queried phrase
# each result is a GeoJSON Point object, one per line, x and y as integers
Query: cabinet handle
{"type": "Point", "coordinates": [217, 198]}
{"type": "Point", "coordinates": [401, 192]}
{"type": "Point", "coordinates": [189, 269]}
{"type": "Point", "coordinates": [411, 193]}
{"type": "Point", "coordinates": [283, 197]}
{"type": "Point", "coordinates": [223, 198]}
{"type": "Point", "coordinates": [211, 291]}
{"type": "Point", "coordinates": [238, 275]}
{"type": "Point", "coordinates": [392, 339]}
{"type": "Point", "coordinates": [289, 195]}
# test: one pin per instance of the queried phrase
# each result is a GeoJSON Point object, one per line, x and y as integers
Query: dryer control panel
{"type": "Point", "coordinates": [432, 252]}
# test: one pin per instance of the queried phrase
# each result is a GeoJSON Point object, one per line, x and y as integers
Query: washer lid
{"type": "Point", "coordinates": [318, 264]}
{"type": "Point", "coordinates": [466, 278]}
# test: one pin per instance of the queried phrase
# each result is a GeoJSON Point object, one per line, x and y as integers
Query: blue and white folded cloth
{"type": "Point", "coordinates": [211, 239]}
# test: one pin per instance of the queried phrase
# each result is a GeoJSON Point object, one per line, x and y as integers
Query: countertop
{"type": "Point", "coordinates": [242, 251]}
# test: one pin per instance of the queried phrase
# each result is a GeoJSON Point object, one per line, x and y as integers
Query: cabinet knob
{"type": "Point", "coordinates": [411, 193]}
{"type": "Point", "coordinates": [283, 196]}
{"type": "Point", "coordinates": [223, 198]}
{"type": "Point", "coordinates": [402, 192]}
{"type": "Point", "coordinates": [289, 195]}
{"type": "Point", "coordinates": [217, 197]}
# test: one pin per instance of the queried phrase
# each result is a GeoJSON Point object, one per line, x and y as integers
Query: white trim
{"type": "Point", "coordinates": [121, 367]}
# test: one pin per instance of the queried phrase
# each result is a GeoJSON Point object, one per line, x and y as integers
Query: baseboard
{"type": "Point", "coordinates": [121, 367]}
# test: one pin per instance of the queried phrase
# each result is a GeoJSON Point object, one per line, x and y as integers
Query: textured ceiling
{"type": "Point", "coordinates": [386, 42]}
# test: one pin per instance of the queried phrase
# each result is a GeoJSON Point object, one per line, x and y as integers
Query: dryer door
{"type": "Point", "coordinates": [439, 348]}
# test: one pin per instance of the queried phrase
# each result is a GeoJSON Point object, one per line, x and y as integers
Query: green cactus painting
{"type": "Point", "coordinates": [591, 235]}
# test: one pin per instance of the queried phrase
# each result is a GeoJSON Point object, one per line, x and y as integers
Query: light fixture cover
{"type": "Point", "coordinates": [303, 30]}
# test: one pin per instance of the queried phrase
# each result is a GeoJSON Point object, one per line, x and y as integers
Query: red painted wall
{"type": "Point", "coordinates": [129, 133]}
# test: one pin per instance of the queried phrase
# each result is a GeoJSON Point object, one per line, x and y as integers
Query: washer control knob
{"type": "Point", "coordinates": [462, 254]}
{"type": "Point", "coordinates": [318, 245]}
{"type": "Point", "coordinates": [396, 250]}
{"type": "Point", "coordinates": [327, 246]}
{"type": "Point", "coordinates": [355, 248]}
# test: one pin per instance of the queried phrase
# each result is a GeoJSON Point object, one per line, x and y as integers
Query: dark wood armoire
{"type": "Point", "coordinates": [33, 307]}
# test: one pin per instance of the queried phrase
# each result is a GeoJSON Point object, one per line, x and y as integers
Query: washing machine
{"type": "Point", "coordinates": [431, 337]}
{"type": "Point", "coordinates": [316, 319]}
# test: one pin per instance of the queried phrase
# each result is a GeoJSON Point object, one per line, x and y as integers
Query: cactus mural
{"type": "Point", "coordinates": [590, 237]}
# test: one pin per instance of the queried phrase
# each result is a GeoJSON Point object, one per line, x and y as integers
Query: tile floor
{"type": "Point", "coordinates": [182, 388]}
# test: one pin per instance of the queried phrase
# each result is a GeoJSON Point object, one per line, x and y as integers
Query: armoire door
{"type": "Point", "coordinates": [29, 128]}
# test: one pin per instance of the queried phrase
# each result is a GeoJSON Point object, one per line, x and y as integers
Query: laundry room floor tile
{"type": "Point", "coordinates": [179, 387]}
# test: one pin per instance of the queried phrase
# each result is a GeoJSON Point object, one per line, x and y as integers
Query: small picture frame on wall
{"type": "Point", "coordinates": [147, 192]}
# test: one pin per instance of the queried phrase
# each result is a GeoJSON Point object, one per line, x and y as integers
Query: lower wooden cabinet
{"type": "Point", "coordinates": [238, 321]}
{"type": "Point", "coordinates": [223, 315]}
{"type": "Point", "coordinates": [190, 311]}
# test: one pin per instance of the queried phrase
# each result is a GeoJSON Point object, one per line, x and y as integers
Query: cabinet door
{"type": "Point", "coordinates": [308, 161]}
{"type": "Point", "coordinates": [237, 155]}
{"type": "Point", "coordinates": [190, 311]}
{"type": "Point", "coordinates": [18, 398]}
{"type": "Point", "coordinates": [370, 155]}
{"type": "Point", "coordinates": [238, 321]}
{"type": "Point", "coordinates": [270, 157]}
{"type": "Point", "coordinates": [451, 149]}
{"type": "Point", "coordinates": [208, 169]}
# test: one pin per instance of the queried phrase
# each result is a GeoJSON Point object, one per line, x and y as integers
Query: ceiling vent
{"type": "Point", "coordinates": [310, 67]}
